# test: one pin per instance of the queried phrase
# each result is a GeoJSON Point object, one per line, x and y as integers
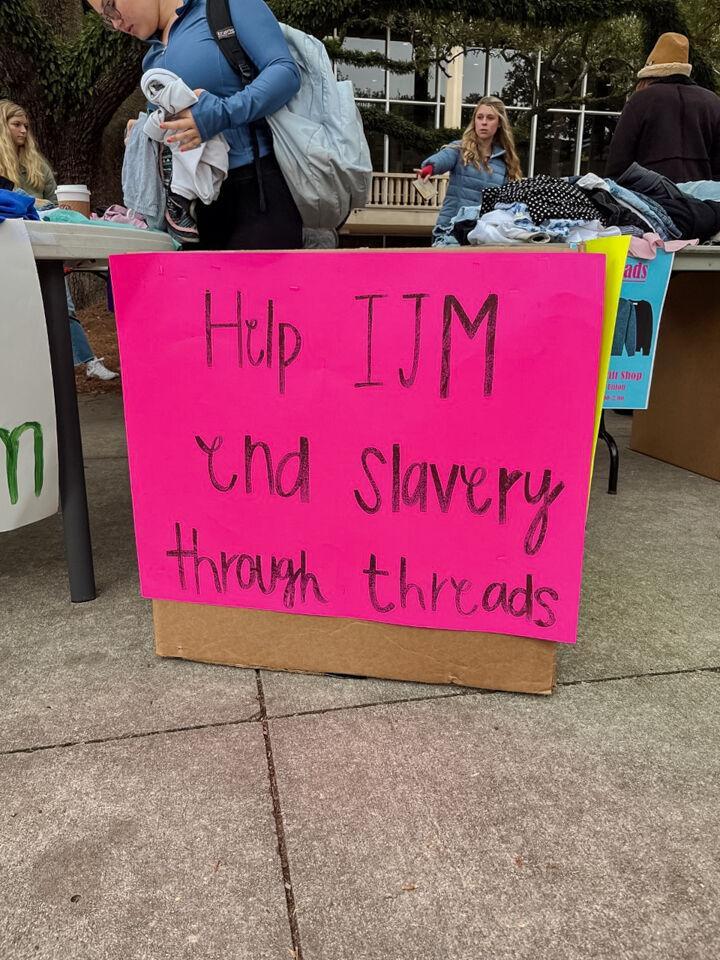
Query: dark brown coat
{"type": "Point", "coordinates": [671, 127]}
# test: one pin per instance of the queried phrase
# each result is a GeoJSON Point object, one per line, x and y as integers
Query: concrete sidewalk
{"type": "Point", "coordinates": [161, 810]}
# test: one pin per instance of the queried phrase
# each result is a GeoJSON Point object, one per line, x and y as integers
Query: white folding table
{"type": "Point", "coordinates": [54, 246]}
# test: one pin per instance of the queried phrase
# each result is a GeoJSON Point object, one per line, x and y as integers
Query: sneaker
{"type": "Point", "coordinates": [165, 166]}
{"type": "Point", "coordinates": [179, 212]}
{"type": "Point", "coordinates": [96, 368]}
{"type": "Point", "coordinates": [180, 220]}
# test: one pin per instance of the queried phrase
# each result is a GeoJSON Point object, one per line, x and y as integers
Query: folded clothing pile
{"type": "Point", "coordinates": [550, 198]}
{"type": "Point", "coordinates": [198, 173]}
{"type": "Point", "coordinates": [545, 209]}
{"type": "Point", "coordinates": [693, 217]}
{"type": "Point", "coordinates": [512, 223]}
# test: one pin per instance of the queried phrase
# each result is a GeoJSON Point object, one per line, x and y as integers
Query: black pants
{"type": "Point", "coordinates": [643, 313]}
{"type": "Point", "coordinates": [236, 222]}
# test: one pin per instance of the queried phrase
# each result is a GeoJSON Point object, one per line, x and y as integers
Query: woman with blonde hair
{"type": "Point", "coordinates": [20, 160]}
{"type": "Point", "coordinates": [22, 163]}
{"type": "Point", "coordinates": [485, 157]}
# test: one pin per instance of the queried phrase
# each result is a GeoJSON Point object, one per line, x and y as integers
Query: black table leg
{"type": "Point", "coordinates": [73, 497]}
{"type": "Point", "coordinates": [614, 454]}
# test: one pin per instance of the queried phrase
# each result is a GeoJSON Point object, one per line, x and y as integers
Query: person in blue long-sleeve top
{"type": "Point", "coordinates": [180, 41]}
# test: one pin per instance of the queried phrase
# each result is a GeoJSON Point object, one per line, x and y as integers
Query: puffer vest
{"type": "Point", "coordinates": [467, 182]}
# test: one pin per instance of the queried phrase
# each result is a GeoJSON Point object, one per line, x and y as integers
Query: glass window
{"type": "Point", "coordinates": [466, 112]}
{"type": "Point", "coordinates": [376, 141]}
{"type": "Point", "coordinates": [561, 81]}
{"type": "Point", "coordinates": [473, 86]}
{"type": "Point", "coordinates": [367, 81]}
{"type": "Point", "coordinates": [596, 143]}
{"type": "Point", "coordinates": [402, 86]}
{"type": "Point", "coordinates": [436, 75]}
{"type": "Point", "coordinates": [555, 151]}
{"type": "Point", "coordinates": [405, 156]}
{"type": "Point", "coordinates": [520, 120]}
{"type": "Point", "coordinates": [608, 84]}
{"type": "Point", "coordinates": [512, 77]}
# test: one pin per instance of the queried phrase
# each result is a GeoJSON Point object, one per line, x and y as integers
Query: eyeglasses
{"type": "Point", "coordinates": [110, 14]}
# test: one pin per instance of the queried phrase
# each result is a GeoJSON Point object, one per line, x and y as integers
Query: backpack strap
{"type": "Point", "coordinates": [221, 26]}
{"type": "Point", "coordinates": [223, 31]}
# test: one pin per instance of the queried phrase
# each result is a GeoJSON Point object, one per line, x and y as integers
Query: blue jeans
{"type": "Point", "coordinates": [625, 329]}
{"type": "Point", "coordinates": [82, 351]}
{"type": "Point", "coordinates": [649, 209]}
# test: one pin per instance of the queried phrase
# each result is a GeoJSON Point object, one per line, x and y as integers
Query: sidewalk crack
{"type": "Point", "coordinates": [139, 735]}
{"type": "Point", "coordinates": [279, 826]}
{"type": "Point", "coordinates": [688, 671]}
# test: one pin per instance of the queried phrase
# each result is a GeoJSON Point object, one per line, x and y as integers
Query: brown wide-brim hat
{"type": "Point", "coordinates": [669, 56]}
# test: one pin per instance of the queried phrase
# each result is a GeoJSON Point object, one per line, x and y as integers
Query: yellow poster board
{"type": "Point", "coordinates": [616, 252]}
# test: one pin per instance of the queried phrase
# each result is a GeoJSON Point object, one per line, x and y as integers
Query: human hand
{"type": "Point", "coordinates": [128, 128]}
{"type": "Point", "coordinates": [425, 172]}
{"type": "Point", "coordinates": [184, 129]}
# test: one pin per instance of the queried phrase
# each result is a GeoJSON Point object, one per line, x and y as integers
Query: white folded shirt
{"type": "Point", "coordinates": [198, 173]}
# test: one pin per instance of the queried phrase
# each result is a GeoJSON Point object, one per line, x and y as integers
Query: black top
{"type": "Point", "coordinates": [672, 127]}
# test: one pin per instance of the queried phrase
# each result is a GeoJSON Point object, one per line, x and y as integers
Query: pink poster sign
{"type": "Point", "coordinates": [403, 437]}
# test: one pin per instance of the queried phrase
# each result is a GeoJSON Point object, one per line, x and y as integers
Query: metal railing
{"type": "Point", "coordinates": [397, 190]}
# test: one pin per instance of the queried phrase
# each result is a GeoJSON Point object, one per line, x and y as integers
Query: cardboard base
{"type": "Point", "coordinates": [282, 641]}
{"type": "Point", "coordinates": [682, 422]}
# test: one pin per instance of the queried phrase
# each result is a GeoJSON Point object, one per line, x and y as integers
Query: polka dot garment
{"type": "Point", "coordinates": [547, 198]}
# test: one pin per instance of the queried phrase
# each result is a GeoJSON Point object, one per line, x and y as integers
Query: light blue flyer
{"type": "Point", "coordinates": [642, 297]}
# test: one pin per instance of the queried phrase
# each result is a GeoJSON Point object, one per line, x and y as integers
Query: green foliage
{"type": "Point", "coordinates": [423, 138]}
{"type": "Point", "coordinates": [703, 21]}
{"type": "Point", "coordinates": [660, 15]}
{"type": "Point", "coordinates": [64, 69]}
{"type": "Point", "coordinates": [368, 59]}
{"type": "Point", "coordinates": [66, 73]}
{"type": "Point", "coordinates": [440, 24]}
{"type": "Point", "coordinates": [95, 52]}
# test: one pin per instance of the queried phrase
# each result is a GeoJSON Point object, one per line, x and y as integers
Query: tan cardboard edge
{"type": "Point", "coordinates": [307, 644]}
{"type": "Point", "coordinates": [682, 423]}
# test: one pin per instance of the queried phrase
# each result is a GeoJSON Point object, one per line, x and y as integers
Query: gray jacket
{"type": "Point", "coordinates": [143, 191]}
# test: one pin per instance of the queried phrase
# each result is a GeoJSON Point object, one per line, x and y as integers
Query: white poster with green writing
{"type": "Point", "coordinates": [28, 439]}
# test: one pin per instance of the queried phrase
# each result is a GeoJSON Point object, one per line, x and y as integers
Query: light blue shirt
{"type": "Point", "coordinates": [193, 54]}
